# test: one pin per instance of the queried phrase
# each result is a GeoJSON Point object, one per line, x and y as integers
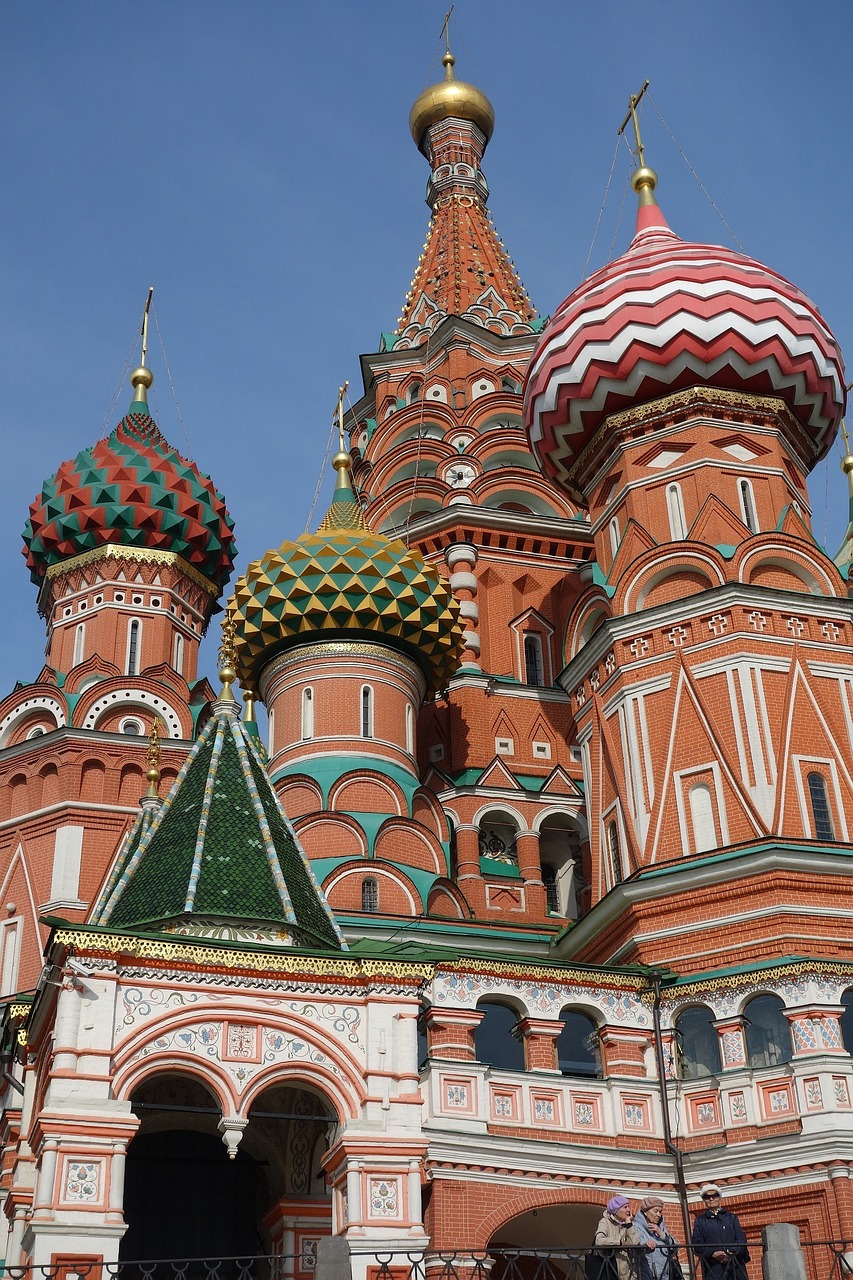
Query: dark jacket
{"type": "Point", "coordinates": [712, 1232]}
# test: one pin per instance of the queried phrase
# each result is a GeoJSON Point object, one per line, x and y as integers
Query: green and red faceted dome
{"type": "Point", "coordinates": [345, 583]}
{"type": "Point", "coordinates": [134, 490]}
{"type": "Point", "coordinates": [669, 314]}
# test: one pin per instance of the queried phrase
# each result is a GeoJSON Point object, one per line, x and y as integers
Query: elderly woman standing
{"type": "Point", "coordinates": [648, 1223]}
{"type": "Point", "coordinates": [617, 1246]}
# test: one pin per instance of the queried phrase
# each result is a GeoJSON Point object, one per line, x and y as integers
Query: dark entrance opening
{"type": "Point", "coordinates": [183, 1198]}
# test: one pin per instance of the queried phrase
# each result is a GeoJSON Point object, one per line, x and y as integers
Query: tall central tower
{"type": "Point", "coordinates": [441, 461]}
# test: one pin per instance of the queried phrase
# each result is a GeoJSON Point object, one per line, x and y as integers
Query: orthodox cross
{"type": "Point", "coordinates": [339, 409]}
{"type": "Point", "coordinates": [445, 28]}
{"type": "Point", "coordinates": [631, 117]}
{"type": "Point", "coordinates": [145, 327]}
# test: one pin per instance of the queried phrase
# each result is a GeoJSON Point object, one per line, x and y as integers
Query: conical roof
{"type": "Point", "coordinates": [132, 489]}
{"type": "Point", "coordinates": [464, 269]}
{"type": "Point", "coordinates": [220, 858]}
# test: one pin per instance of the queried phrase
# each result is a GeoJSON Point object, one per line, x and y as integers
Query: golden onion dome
{"type": "Point", "coordinates": [451, 97]}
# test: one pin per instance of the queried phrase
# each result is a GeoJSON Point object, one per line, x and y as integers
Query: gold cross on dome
{"type": "Point", "coordinates": [339, 410]}
{"type": "Point", "coordinates": [631, 117]}
{"type": "Point", "coordinates": [145, 327]}
{"type": "Point", "coordinates": [445, 28]}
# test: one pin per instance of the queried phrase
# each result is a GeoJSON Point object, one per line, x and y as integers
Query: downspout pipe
{"type": "Point", "coordinates": [656, 978]}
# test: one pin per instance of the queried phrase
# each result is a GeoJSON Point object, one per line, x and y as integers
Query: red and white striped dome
{"type": "Point", "coordinates": [667, 315]}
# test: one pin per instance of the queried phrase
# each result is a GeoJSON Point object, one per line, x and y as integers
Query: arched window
{"type": "Point", "coordinates": [768, 1036]}
{"type": "Point", "coordinates": [747, 505]}
{"type": "Point", "coordinates": [702, 816]}
{"type": "Point", "coordinates": [698, 1045]}
{"type": "Point", "coordinates": [847, 1019]}
{"type": "Point", "coordinates": [552, 894]}
{"type": "Point", "coordinates": [494, 1043]}
{"type": "Point", "coordinates": [415, 392]}
{"type": "Point", "coordinates": [821, 812]}
{"type": "Point", "coordinates": [366, 711]}
{"type": "Point", "coordinates": [561, 863]}
{"type": "Point", "coordinates": [614, 851]}
{"type": "Point", "coordinates": [533, 659]}
{"type": "Point", "coordinates": [178, 656]}
{"type": "Point", "coordinates": [497, 838]}
{"type": "Point", "coordinates": [307, 714]}
{"type": "Point", "coordinates": [9, 952]}
{"type": "Point", "coordinates": [369, 894]}
{"type": "Point", "coordinates": [79, 643]}
{"type": "Point", "coordinates": [423, 1043]}
{"type": "Point", "coordinates": [410, 729]}
{"type": "Point", "coordinates": [614, 535]}
{"type": "Point", "coordinates": [134, 637]}
{"type": "Point", "coordinates": [576, 1045]}
{"type": "Point", "coordinates": [675, 510]}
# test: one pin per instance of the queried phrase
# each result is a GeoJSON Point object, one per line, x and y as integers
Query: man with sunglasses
{"type": "Point", "coordinates": [718, 1239]}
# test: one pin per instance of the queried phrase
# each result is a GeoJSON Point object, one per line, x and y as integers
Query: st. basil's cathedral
{"type": "Point", "coordinates": [538, 887]}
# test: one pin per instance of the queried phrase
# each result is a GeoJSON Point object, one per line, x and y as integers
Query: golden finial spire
{"type": "Point", "coordinates": [152, 759]}
{"type": "Point", "coordinates": [227, 658]}
{"type": "Point", "coordinates": [249, 704]}
{"type": "Point", "coordinates": [142, 377]}
{"type": "Point", "coordinates": [643, 179]}
{"type": "Point", "coordinates": [449, 98]}
{"type": "Point", "coordinates": [342, 461]}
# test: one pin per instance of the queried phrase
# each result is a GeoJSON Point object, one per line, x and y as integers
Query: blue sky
{"type": "Point", "coordinates": [252, 161]}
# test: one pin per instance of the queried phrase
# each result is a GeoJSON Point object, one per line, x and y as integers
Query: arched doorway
{"type": "Point", "coordinates": [184, 1198]}
{"type": "Point", "coordinates": [562, 1227]}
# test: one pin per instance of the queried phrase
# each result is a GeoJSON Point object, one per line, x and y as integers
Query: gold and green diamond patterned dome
{"type": "Point", "coordinates": [344, 582]}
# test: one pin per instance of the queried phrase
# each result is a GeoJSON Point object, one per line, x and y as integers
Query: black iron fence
{"type": "Point", "coordinates": [823, 1260]}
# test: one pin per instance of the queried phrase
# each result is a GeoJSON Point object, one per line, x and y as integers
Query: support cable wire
{"type": "Point", "coordinates": [333, 431]}
{"type": "Point", "coordinates": [701, 184]}
{"type": "Point", "coordinates": [122, 381]}
{"type": "Point", "coordinates": [612, 248]}
{"type": "Point", "coordinates": [171, 384]}
{"type": "Point", "coordinates": [585, 271]}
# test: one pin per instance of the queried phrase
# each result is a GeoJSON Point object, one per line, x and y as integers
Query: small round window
{"type": "Point", "coordinates": [132, 727]}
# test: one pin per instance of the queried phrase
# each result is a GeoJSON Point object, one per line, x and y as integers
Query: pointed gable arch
{"type": "Point", "coordinates": [809, 737]}
{"type": "Point", "coordinates": [697, 755]}
{"type": "Point", "coordinates": [717, 524]}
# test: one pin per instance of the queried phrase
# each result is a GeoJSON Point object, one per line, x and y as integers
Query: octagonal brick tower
{"type": "Point", "coordinates": [683, 393]}
{"type": "Point", "coordinates": [133, 519]}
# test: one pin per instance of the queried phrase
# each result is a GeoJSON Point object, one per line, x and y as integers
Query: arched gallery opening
{"type": "Point", "coordinates": [184, 1197]}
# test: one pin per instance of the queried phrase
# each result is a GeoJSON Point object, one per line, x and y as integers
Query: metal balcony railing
{"type": "Point", "coordinates": [824, 1260]}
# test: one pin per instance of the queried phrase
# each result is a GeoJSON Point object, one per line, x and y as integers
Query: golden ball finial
{"type": "Point", "coordinates": [847, 463]}
{"type": "Point", "coordinates": [141, 379]}
{"type": "Point", "coordinates": [342, 461]}
{"type": "Point", "coordinates": [643, 179]}
{"type": "Point", "coordinates": [450, 97]}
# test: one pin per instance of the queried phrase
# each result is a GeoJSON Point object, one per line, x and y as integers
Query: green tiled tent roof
{"type": "Point", "coordinates": [220, 852]}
